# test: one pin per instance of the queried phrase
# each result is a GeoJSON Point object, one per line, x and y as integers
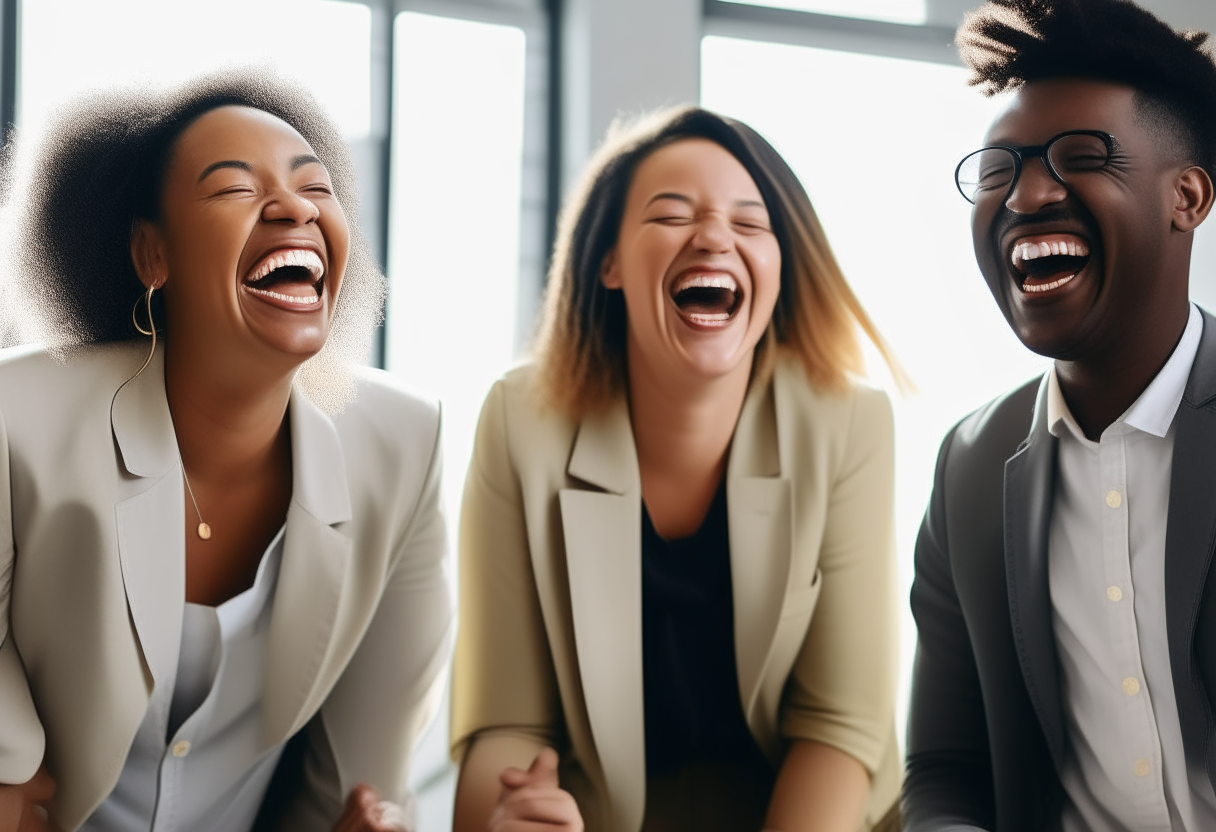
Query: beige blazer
{"type": "Point", "coordinates": [92, 579]}
{"type": "Point", "coordinates": [550, 640]}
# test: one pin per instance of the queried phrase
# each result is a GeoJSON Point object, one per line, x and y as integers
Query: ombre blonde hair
{"type": "Point", "coordinates": [580, 345]}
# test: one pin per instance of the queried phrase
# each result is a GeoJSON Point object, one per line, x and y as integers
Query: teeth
{"type": "Point", "coordinates": [706, 281]}
{"type": "Point", "coordinates": [1033, 251]}
{"type": "Point", "coordinates": [302, 257]}
{"type": "Point", "coordinates": [1046, 287]}
{"type": "Point", "coordinates": [299, 301]}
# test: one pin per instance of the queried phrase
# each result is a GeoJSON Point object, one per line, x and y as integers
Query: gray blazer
{"type": "Point", "coordinates": [986, 736]}
{"type": "Point", "coordinates": [92, 578]}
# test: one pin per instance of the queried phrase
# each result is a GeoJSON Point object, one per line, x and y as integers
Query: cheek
{"type": "Point", "coordinates": [764, 263]}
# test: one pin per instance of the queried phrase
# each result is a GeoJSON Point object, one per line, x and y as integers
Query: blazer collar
{"type": "Point", "coordinates": [604, 453]}
{"type": "Point", "coordinates": [143, 430]}
{"type": "Point", "coordinates": [1029, 493]}
{"type": "Point", "coordinates": [319, 483]}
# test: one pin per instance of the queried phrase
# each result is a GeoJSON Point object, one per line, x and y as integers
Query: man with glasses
{"type": "Point", "coordinates": [1065, 675]}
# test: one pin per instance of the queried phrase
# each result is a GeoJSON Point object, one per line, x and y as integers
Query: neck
{"type": "Point", "coordinates": [683, 429]}
{"type": "Point", "coordinates": [227, 427]}
{"type": "Point", "coordinates": [1100, 387]}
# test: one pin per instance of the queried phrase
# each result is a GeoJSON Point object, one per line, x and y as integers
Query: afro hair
{"type": "Point", "coordinates": [1009, 43]}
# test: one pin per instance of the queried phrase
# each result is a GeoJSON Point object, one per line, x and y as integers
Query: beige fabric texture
{"type": "Point", "coordinates": [92, 577]}
{"type": "Point", "coordinates": [550, 639]}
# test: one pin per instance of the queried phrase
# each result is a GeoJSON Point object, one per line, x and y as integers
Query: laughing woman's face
{"type": "Point", "coordinates": [251, 243]}
{"type": "Point", "coordinates": [697, 261]}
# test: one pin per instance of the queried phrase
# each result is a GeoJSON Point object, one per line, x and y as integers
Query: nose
{"type": "Point", "coordinates": [713, 234]}
{"type": "Point", "coordinates": [285, 205]}
{"type": "Point", "coordinates": [1034, 189]}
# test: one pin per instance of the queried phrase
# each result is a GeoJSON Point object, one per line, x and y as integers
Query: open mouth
{"type": "Point", "coordinates": [707, 300]}
{"type": "Point", "coordinates": [293, 277]}
{"type": "Point", "coordinates": [1045, 262]}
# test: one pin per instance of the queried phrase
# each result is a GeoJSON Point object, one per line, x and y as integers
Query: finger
{"type": "Point", "coordinates": [514, 778]}
{"type": "Point", "coordinates": [358, 813]}
{"type": "Point", "coordinates": [543, 770]}
{"type": "Point", "coordinates": [388, 817]}
{"type": "Point", "coordinates": [543, 804]}
{"type": "Point", "coordinates": [532, 826]}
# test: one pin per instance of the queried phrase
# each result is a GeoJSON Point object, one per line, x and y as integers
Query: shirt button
{"type": "Point", "coordinates": [1142, 768]}
{"type": "Point", "coordinates": [1114, 499]}
{"type": "Point", "coordinates": [1114, 593]}
{"type": "Point", "coordinates": [1130, 686]}
{"type": "Point", "coordinates": [182, 747]}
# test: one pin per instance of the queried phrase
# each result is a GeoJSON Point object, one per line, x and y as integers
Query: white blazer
{"type": "Point", "coordinates": [92, 579]}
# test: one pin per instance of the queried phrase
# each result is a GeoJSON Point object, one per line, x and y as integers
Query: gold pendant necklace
{"type": "Point", "coordinates": [204, 531]}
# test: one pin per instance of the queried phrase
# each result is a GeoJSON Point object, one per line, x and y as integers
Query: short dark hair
{"type": "Point", "coordinates": [100, 167]}
{"type": "Point", "coordinates": [1008, 43]}
{"type": "Point", "coordinates": [580, 346]}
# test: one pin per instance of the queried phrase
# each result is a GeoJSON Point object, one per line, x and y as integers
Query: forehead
{"type": "Point", "coordinates": [237, 133]}
{"type": "Point", "coordinates": [1041, 109]}
{"type": "Point", "coordinates": [692, 165]}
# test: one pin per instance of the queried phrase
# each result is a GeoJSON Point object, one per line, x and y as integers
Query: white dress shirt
{"type": "Point", "coordinates": [211, 772]}
{"type": "Point", "coordinates": [1127, 770]}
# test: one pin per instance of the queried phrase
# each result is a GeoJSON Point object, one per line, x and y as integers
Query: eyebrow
{"type": "Point", "coordinates": [296, 163]}
{"type": "Point", "coordinates": [739, 203]}
{"type": "Point", "coordinates": [228, 163]}
{"type": "Point", "coordinates": [304, 159]}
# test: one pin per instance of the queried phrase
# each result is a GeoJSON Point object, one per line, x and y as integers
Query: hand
{"type": "Point", "coordinates": [366, 812]}
{"type": "Point", "coordinates": [23, 807]}
{"type": "Point", "coordinates": [533, 801]}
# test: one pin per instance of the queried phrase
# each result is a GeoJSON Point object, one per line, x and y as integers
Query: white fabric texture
{"type": "Point", "coordinates": [211, 774]}
{"type": "Point", "coordinates": [1127, 770]}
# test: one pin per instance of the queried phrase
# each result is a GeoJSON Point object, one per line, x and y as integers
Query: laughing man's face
{"type": "Point", "coordinates": [1073, 267]}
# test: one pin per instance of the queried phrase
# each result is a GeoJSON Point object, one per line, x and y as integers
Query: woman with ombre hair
{"type": "Point", "coordinates": [676, 553]}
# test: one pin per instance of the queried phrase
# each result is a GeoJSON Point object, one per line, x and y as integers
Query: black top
{"type": "Point", "coordinates": [693, 711]}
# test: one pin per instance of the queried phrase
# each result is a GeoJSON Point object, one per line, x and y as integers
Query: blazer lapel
{"type": "Point", "coordinates": [151, 548]}
{"type": "Point", "coordinates": [760, 528]}
{"type": "Point", "coordinates": [1029, 490]}
{"type": "Point", "coordinates": [312, 575]}
{"type": "Point", "coordinates": [1190, 531]}
{"type": "Point", "coordinates": [602, 530]}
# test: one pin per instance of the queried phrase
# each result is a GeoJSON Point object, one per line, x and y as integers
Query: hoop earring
{"type": "Point", "coordinates": [151, 330]}
{"type": "Point", "coordinates": [147, 300]}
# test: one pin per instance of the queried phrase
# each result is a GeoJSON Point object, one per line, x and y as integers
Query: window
{"type": "Point", "coordinates": [454, 254]}
{"type": "Point", "coordinates": [893, 11]}
{"type": "Point", "coordinates": [323, 44]}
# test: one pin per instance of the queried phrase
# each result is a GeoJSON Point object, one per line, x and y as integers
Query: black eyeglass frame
{"type": "Point", "coordinates": [1039, 151]}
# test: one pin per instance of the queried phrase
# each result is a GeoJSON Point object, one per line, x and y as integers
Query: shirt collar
{"type": "Point", "coordinates": [1153, 412]}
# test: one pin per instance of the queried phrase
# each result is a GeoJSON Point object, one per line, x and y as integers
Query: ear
{"type": "Point", "coordinates": [148, 254]}
{"type": "Point", "coordinates": [1192, 198]}
{"type": "Point", "coordinates": [610, 276]}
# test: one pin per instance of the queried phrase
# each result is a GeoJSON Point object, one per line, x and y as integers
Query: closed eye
{"type": "Point", "coordinates": [752, 226]}
{"type": "Point", "coordinates": [233, 190]}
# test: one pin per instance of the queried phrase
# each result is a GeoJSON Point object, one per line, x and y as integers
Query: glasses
{"type": "Point", "coordinates": [993, 171]}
